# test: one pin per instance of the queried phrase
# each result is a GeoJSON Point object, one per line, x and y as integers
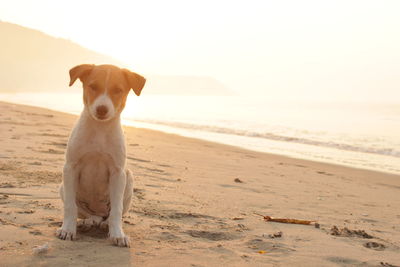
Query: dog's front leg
{"type": "Point", "coordinates": [68, 228]}
{"type": "Point", "coordinates": [117, 188]}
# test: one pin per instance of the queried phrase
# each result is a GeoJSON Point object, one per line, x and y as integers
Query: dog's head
{"type": "Point", "coordinates": [105, 88]}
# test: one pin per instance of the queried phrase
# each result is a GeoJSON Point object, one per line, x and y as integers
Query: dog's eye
{"type": "Point", "coordinates": [93, 87]}
{"type": "Point", "coordinates": [117, 91]}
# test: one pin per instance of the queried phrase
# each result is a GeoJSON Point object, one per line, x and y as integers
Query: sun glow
{"type": "Point", "coordinates": [336, 49]}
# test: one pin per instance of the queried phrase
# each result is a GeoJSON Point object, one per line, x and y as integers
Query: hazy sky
{"type": "Point", "coordinates": [278, 48]}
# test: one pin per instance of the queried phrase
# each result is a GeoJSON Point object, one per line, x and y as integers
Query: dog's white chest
{"type": "Point", "coordinates": [107, 141]}
{"type": "Point", "coordinates": [93, 184]}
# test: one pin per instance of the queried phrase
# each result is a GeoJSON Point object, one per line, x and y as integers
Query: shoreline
{"type": "Point", "coordinates": [195, 203]}
{"type": "Point", "coordinates": [221, 138]}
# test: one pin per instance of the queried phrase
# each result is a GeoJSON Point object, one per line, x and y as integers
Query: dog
{"type": "Point", "coordinates": [96, 185]}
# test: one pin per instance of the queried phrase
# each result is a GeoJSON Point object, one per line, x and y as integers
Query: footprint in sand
{"type": "Point", "coordinates": [137, 159]}
{"type": "Point", "coordinates": [259, 244]}
{"type": "Point", "coordinates": [165, 165]}
{"type": "Point", "coordinates": [167, 236]}
{"type": "Point", "coordinates": [52, 151]}
{"type": "Point", "coordinates": [7, 185]}
{"type": "Point", "coordinates": [240, 187]}
{"type": "Point", "coordinates": [349, 233]}
{"type": "Point", "coordinates": [167, 227]}
{"type": "Point", "coordinates": [57, 144]}
{"type": "Point", "coordinates": [213, 236]}
{"type": "Point", "coordinates": [35, 232]}
{"type": "Point", "coordinates": [138, 193]}
{"type": "Point", "coordinates": [346, 261]}
{"type": "Point", "coordinates": [375, 246]}
{"type": "Point", "coordinates": [184, 215]}
{"type": "Point", "coordinates": [38, 163]}
{"type": "Point", "coordinates": [325, 173]}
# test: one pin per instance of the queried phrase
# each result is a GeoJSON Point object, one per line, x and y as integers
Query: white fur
{"type": "Point", "coordinates": [94, 144]}
{"type": "Point", "coordinates": [103, 100]}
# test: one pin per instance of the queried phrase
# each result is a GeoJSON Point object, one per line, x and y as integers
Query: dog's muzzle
{"type": "Point", "coordinates": [101, 112]}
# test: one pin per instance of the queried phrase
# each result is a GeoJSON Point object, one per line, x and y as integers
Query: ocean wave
{"type": "Point", "coordinates": [275, 137]}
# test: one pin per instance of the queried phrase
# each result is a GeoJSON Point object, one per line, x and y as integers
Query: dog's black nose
{"type": "Point", "coordinates": [101, 110]}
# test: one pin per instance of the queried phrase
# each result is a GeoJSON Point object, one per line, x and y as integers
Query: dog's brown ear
{"type": "Point", "coordinates": [80, 71]}
{"type": "Point", "coordinates": [135, 81]}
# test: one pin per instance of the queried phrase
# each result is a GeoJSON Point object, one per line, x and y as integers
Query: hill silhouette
{"type": "Point", "coordinates": [33, 61]}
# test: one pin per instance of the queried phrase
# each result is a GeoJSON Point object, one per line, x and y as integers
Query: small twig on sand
{"type": "Point", "coordinates": [285, 220]}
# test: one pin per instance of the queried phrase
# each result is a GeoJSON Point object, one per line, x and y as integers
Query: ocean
{"type": "Point", "coordinates": [362, 135]}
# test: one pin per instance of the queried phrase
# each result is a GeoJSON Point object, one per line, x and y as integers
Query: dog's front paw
{"type": "Point", "coordinates": [66, 234]}
{"type": "Point", "coordinates": [120, 241]}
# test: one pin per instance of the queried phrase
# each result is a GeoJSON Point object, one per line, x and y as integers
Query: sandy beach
{"type": "Point", "coordinates": [196, 203]}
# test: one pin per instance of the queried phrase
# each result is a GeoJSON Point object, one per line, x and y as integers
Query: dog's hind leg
{"type": "Point", "coordinates": [128, 191]}
{"type": "Point", "coordinates": [61, 191]}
